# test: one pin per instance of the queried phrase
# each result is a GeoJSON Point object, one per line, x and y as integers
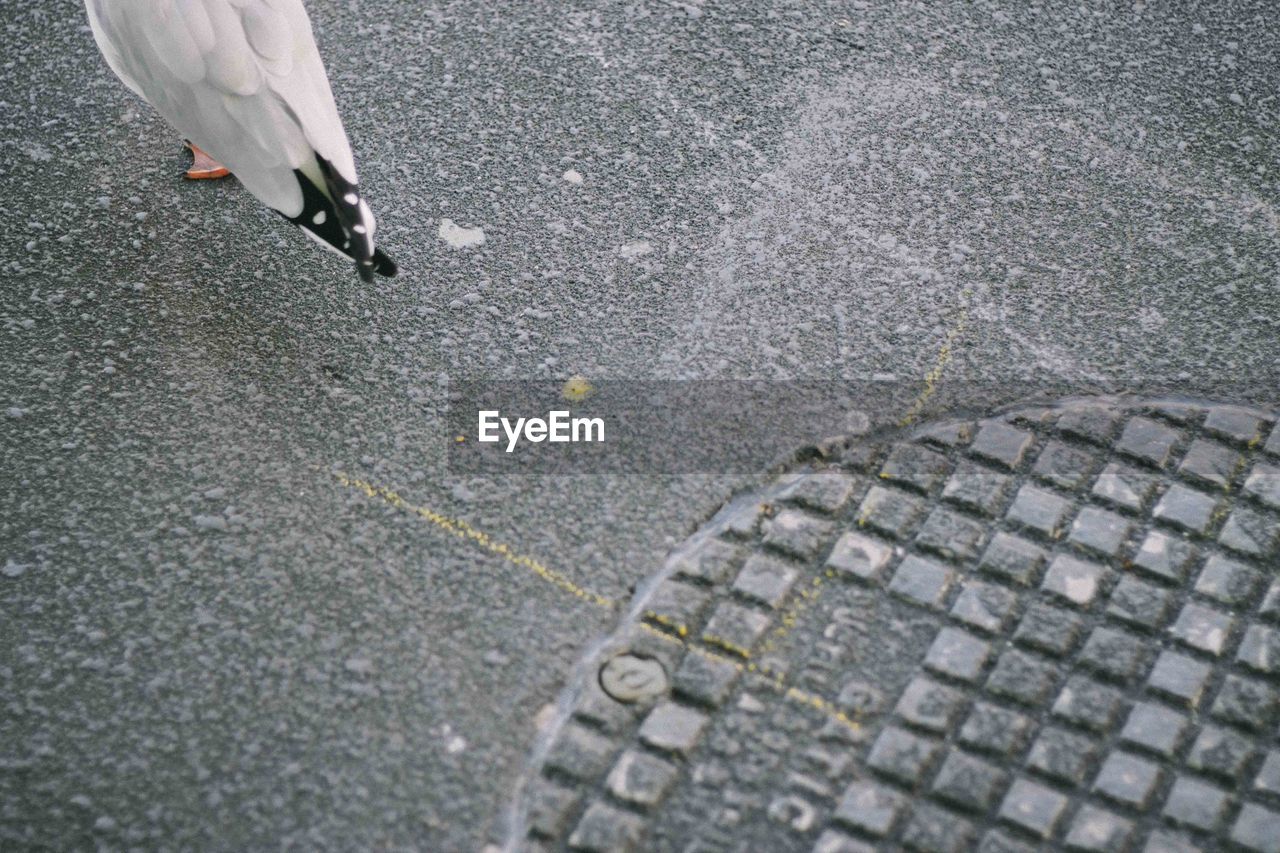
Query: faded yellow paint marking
{"type": "Point", "coordinates": [576, 389]}
{"type": "Point", "coordinates": [775, 682]}
{"type": "Point", "coordinates": [945, 353]}
{"type": "Point", "coordinates": [791, 615]}
{"type": "Point", "coordinates": [461, 529]}
{"type": "Point", "coordinates": [727, 645]}
{"type": "Point", "coordinates": [679, 628]}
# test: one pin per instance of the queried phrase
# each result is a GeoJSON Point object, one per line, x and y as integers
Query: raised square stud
{"type": "Point", "coordinates": [1268, 778]}
{"type": "Point", "coordinates": [1128, 779]}
{"type": "Point", "coordinates": [713, 562]}
{"type": "Point", "coordinates": [951, 534]}
{"type": "Point", "coordinates": [1245, 702]}
{"type": "Point", "coordinates": [1062, 755]}
{"type": "Point", "coordinates": [641, 778]}
{"type": "Point", "coordinates": [1180, 678]}
{"type": "Point", "coordinates": [1165, 556]}
{"type": "Point", "coordinates": [1202, 628]}
{"type": "Point", "coordinates": [1099, 531]}
{"type": "Point", "coordinates": [977, 488]}
{"type": "Point", "coordinates": [1227, 580]}
{"type": "Point", "coordinates": [1148, 440]}
{"type": "Point", "coordinates": [1195, 803]}
{"type": "Point", "coordinates": [1155, 728]}
{"type": "Point", "coordinates": [1049, 629]}
{"type": "Point", "coordinates": [826, 491]}
{"type": "Point", "coordinates": [604, 827]}
{"type": "Point", "coordinates": [1088, 421]}
{"type": "Point", "coordinates": [1033, 807]}
{"type": "Point", "coordinates": [1073, 580]}
{"type": "Point", "coordinates": [930, 705]}
{"type": "Point", "coordinates": [1257, 828]}
{"type": "Point", "coordinates": [1235, 424]}
{"type": "Point", "coordinates": [1220, 752]}
{"type": "Point", "coordinates": [797, 533]}
{"type": "Point", "coordinates": [707, 679]}
{"type": "Point", "coordinates": [1186, 508]}
{"type": "Point", "coordinates": [734, 628]}
{"type": "Point", "coordinates": [673, 728]}
{"type": "Point", "coordinates": [766, 580]}
{"type": "Point", "coordinates": [902, 755]}
{"type": "Point", "coordinates": [958, 654]}
{"type": "Point", "coordinates": [968, 782]}
{"type": "Point", "coordinates": [1210, 463]}
{"type": "Point", "coordinates": [922, 581]}
{"type": "Point", "coordinates": [1264, 484]}
{"type": "Point", "coordinates": [1140, 603]}
{"type": "Point", "coordinates": [1001, 443]}
{"type": "Point", "coordinates": [1063, 465]}
{"type": "Point", "coordinates": [1088, 703]}
{"type": "Point", "coordinates": [1125, 486]}
{"type": "Point", "coordinates": [872, 808]}
{"type": "Point", "coordinates": [1116, 653]}
{"type": "Point", "coordinates": [1260, 649]}
{"type": "Point", "coordinates": [985, 606]}
{"type": "Point", "coordinates": [1250, 531]}
{"type": "Point", "coordinates": [892, 512]}
{"type": "Point", "coordinates": [1040, 510]}
{"type": "Point", "coordinates": [1013, 559]}
{"type": "Point", "coordinates": [1023, 677]}
{"type": "Point", "coordinates": [860, 556]}
{"type": "Point", "coordinates": [997, 730]}
{"type": "Point", "coordinates": [937, 829]}
{"type": "Point", "coordinates": [1095, 829]}
{"type": "Point", "coordinates": [918, 467]}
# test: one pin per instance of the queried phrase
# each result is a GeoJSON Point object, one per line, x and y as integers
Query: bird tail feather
{"type": "Point", "coordinates": [334, 213]}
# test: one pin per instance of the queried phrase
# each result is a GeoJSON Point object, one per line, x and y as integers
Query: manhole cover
{"type": "Point", "coordinates": [1058, 626]}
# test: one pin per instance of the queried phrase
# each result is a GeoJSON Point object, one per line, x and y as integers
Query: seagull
{"type": "Point", "coordinates": [243, 82]}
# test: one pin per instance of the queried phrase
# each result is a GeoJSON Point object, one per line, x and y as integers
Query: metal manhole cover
{"type": "Point", "coordinates": [1058, 626]}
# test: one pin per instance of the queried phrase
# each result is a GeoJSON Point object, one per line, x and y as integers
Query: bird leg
{"type": "Point", "coordinates": [204, 167]}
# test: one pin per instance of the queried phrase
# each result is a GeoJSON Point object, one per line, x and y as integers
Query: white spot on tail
{"type": "Point", "coordinates": [323, 243]}
{"type": "Point", "coordinates": [319, 218]}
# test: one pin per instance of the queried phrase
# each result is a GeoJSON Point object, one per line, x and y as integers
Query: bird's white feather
{"type": "Point", "coordinates": [243, 79]}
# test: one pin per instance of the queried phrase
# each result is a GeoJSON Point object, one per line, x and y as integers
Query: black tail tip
{"type": "Point", "coordinates": [380, 263]}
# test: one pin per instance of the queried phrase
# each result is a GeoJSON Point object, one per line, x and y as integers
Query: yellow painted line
{"type": "Point", "coordinates": [727, 645]}
{"type": "Point", "coordinates": [810, 594]}
{"type": "Point", "coordinates": [945, 353]}
{"type": "Point", "coordinates": [679, 628]}
{"type": "Point", "coordinates": [776, 682]}
{"type": "Point", "coordinates": [461, 529]}
{"type": "Point", "coordinates": [791, 615]}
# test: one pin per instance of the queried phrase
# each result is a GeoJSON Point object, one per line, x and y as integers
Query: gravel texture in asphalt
{"type": "Point", "coordinates": [208, 639]}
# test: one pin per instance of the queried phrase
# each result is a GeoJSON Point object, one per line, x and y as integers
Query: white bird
{"type": "Point", "coordinates": [243, 80]}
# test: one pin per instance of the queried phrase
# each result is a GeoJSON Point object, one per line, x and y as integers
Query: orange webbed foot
{"type": "Point", "coordinates": [204, 167]}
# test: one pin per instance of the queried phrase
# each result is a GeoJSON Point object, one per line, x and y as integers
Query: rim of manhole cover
{"type": "Point", "coordinates": [1057, 626]}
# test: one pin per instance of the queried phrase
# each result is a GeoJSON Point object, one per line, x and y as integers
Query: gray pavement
{"type": "Point", "coordinates": [207, 641]}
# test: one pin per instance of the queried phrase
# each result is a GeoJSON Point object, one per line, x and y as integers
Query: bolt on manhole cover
{"type": "Point", "coordinates": [1059, 626]}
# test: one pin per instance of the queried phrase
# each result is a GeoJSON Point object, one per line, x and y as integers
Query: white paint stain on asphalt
{"type": "Point", "coordinates": [458, 237]}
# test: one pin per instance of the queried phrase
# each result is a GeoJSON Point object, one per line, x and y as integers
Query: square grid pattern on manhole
{"type": "Point", "coordinates": [1106, 670]}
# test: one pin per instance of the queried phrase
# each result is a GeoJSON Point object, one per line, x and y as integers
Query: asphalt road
{"type": "Point", "coordinates": [206, 640]}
